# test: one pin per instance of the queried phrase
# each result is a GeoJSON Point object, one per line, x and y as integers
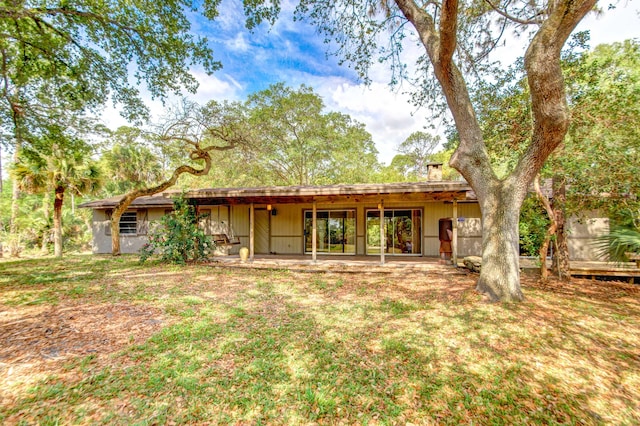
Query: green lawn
{"type": "Point", "coordinates": [96, 340]}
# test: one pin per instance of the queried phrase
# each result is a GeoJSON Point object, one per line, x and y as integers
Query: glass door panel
{"type": "Point", "coordinates": [373, 232]}
{"type": "Point", "coordinates": [403, 230]}
{"type": "Point", "coordinates": [335, 230]}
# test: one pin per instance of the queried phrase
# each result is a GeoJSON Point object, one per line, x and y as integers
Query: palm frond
{"type": "Point", "coordinates": [618, 243]}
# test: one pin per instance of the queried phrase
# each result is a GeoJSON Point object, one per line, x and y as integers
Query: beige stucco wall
{"type": "Point", "coordinates": [583, 234]}
{"type": "Point", "coordinates": [287, 226]}
{"type": "Point", "coordinates": [101, 243]}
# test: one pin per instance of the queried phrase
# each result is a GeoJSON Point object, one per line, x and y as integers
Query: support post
{"type": "Point", "coordinates": [383, 234]}
{"type": "Point", "coordinates": [454, 238]}
{"type": "Point", "coordinates": [252, 222]}
{"type": "Point", "coordinates": [314, 233]}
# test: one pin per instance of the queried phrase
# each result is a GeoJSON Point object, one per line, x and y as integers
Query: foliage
{"type": "Point", "coordinates": [402, 168]}
{"type": "Point", "coordinates": [417, 149]}
{"type": "Point", "coordinates": [177, 238]}
{"type": "Point", "coordinates": [504, 113]}
{"type": "Point", "coordinates": [84, 50]}
{"type": "Point", "coordinates": [618, 243]}
{"type": "Point", "coordinates": [296, 143]}
{"type": "Point", "coordinates": [599, 158]}
{"type": "Point", "coordinates": [55, 164]}
{"type": "Point", "coordinates": [129, 162]}
{"type": "Point", "coordinates": [57, 160]}
{"type": "Point", "coordinates": [36, 223]}
{"type": "Point", "coordinates": [601, 155]}
{"type": "Point", "coordinates": [532, 227]}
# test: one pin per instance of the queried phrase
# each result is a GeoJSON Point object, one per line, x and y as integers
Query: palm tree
{"type": "Point", "coordinates": [619, 243]}
{"type": "Point", "coordinates": [130, 166]}
{"type": "Point", "coordinates": [57, 163]}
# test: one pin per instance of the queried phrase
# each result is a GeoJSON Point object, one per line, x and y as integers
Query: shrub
{"type": "Point", "coordinates": [176, 237]}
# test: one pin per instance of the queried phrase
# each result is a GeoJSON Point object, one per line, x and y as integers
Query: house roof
{"type": "Point", "coordinates": [297, 194]}
{"type": "Point", "coordinates": [437, 190]}
{"type": "Point", "coordinates": [158, 200]}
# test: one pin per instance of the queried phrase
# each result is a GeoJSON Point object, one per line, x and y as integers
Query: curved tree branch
{"type": "Point", "coordinates": [514, 18]}
{"type": "Point", "coordinates": [127, 199]}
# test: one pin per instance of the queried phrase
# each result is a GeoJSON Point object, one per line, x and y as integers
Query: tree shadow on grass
{"type": "Point", "coordinates": [333, 348]}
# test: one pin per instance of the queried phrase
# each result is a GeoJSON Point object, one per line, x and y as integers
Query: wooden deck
{"type": "Point", "coordinates": [628, 270]}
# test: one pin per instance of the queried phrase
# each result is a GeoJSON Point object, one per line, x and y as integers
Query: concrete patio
{"type": "Point", "coordinates": [355, 264]}
{"type": "Point", "coordinates": [394, 264]}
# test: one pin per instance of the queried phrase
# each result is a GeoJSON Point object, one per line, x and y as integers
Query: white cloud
{"type": "Point", "coordinates": [239, 43]}
{"type": "Point", "coordinates": [387, 115]}
{"type": "Point", "coordinates": [220, 86]}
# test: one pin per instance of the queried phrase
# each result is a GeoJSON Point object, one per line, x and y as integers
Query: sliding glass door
{"type": "Point", "coordinates": [336, 231]}
{"type": "Point", "coordinates": [402, 230]}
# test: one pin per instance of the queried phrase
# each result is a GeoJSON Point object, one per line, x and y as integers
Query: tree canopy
{"type": "Point", "coordinates": [293, 141]}
{"type": "Point", "coordinates": [84, 50]}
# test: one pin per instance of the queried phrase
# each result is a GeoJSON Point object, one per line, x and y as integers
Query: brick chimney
{"type": "Point", "coordinates": [434, 172]}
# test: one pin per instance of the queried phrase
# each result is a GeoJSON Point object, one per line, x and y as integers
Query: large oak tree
{"type": "Point", "coordinates": [597, 165]}
{"type": "Point", "coordinates": [454, 35]}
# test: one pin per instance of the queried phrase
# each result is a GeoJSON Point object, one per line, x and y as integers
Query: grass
{"type": "Point", "coordinates": [96, 340]}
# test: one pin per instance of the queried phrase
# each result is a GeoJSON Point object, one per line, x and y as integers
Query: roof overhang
{"type": "Point", "coordinates": [158, 200]}
{"type": "Point", "coordinates": [409, 191]}
{"type": "Point", "coordinates": [418, 191]}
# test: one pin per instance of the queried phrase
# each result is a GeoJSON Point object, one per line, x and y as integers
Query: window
{"type": "Point", "coordinates": [129, 223]}
{"type": "Point", "coordinates": [402, 230]}
{"type": "Point", "coordinates": [336, 230]}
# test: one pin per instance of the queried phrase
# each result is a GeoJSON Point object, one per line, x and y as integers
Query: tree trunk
{"type": "Point", "coordinates": [500, 273]}
{"type": "Point", "coordinates": [561, 264]}
{"type": "Point", "coordinates": [57, 221]}
{"type": "Point", "coordinates": [46, 234]}
{"type": "Point", "coordinates": [16, 115]}
{"type": "Point", "coordinates": [115, 231]}
{"type": "Point", "coordinates": [14, 249]}
{"type": "Point", "coordinates": [551, 231]}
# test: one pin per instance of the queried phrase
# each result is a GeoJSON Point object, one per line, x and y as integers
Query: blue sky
{"type": "Point", "coordinates": [292, 52]}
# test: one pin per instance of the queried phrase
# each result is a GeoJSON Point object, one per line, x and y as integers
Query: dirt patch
{"type": "Point", "coordinates": [591, 289]}
{"type": "Point", "coordinates": [38, 341]}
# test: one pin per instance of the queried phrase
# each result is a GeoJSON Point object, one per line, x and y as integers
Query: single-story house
{"type": "Point", "coordinates": [340, 220]}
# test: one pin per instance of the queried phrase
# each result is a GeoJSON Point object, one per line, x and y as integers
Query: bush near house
{"type": "Point", "coordinates": [177, 238]}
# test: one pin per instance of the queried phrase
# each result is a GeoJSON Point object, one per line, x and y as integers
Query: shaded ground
{"type": "Point", "coordinates": [100, 340]}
